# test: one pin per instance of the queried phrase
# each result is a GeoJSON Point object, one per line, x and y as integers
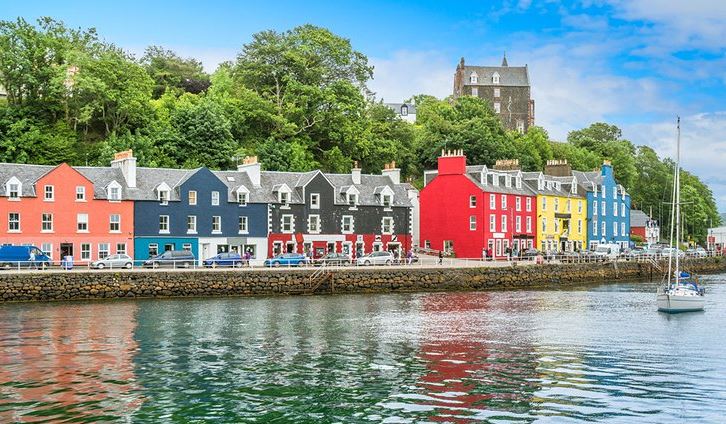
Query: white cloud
{"type": "Point", "coordinates": [408, 73]}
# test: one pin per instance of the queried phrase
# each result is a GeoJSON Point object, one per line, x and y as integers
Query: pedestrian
{"type": "Point", "coordinates": [508, 253]}
{"type": "Point", "coordinates": [489, 253]}
{"type": "Point", "coordinates": [441, 257]}
{"type": "Point", "coordinates": [32, 259]}
{"type": "Point", "coordinates": [409, 257]}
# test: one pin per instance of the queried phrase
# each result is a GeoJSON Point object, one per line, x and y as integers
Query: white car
{"type": "Point", "coordinates": [114, 262]}
{"type": "Point", "coordinates": [376, 258]}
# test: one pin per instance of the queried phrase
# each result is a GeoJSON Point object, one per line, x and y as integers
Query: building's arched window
{"type": "Point", "coordinates": [474, 78]}
{"type": "Point", "coordinates": [495, 78]}
{"type": "Point", "coordinates": [404, 110]}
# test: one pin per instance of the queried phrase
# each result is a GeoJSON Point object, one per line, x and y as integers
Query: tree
{"type": "Point", "coordinates": [606, 141]}
{"type": "Point", "coordinates": [172, 72]}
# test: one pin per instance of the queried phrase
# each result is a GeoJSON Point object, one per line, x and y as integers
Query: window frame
{"type": "Point", "coordinates": [43, 222]}
{"type": "Point", "coordinates": [79, 221]}
{"type": "Point", "coordinates": [166, 227]}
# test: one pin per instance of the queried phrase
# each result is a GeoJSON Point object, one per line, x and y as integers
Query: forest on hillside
{"type": "Point", "coordinates": [297, 99]}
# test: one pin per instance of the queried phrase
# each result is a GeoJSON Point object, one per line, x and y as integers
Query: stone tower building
{"type": "Point", "coordinates": [505, 87]}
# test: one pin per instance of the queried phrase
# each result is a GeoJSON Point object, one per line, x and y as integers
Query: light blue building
{"type": "Point", "coordinates": [608, 207]}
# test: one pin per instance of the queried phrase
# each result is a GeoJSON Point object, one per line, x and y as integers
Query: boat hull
{"type": "Point", "coordinates": [673, 303]}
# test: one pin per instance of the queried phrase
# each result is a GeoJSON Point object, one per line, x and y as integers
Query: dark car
{"type": "Point", "coordinates": [172, 259]}
{"type": "Point", "coordinates": [224, 259]}
{"type": "Point", "coordinates": [338, 259]}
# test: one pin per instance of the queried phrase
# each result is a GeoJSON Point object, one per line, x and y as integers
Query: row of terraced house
{"type": "Point", "coordinates": [92, 212]}
{"type": "Point", "coordinates": [470, 211]}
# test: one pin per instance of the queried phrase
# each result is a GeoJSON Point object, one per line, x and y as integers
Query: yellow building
{"type": "Point", "coordinates": [561, 212]}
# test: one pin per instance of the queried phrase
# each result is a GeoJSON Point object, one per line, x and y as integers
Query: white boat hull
{"type": "Point", "coordinates": [680, 303]}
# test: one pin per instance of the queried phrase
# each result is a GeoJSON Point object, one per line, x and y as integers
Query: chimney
{"type": "Point", "coordinates": [507, 165]}
{"type": "Point", "coordinates": [393, 173]}
{"type": "Point", "coordinates": [606, 168]}
{"type": "Point", "coordinates": [452, 162]}
{"type": "Point", "coordinates": [355, 173]}
{"type": "Point", "coordinates": [127, 163]}
{"type": "Point", "coordinates": [252, 168]}
{"type": "Point", "coordinates": [558, 168]}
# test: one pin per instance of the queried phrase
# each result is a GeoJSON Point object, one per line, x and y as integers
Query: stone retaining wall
{"type": "Point", "coordinates": [44, 285]}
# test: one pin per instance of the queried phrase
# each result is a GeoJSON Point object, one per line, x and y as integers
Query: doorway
{"type": "Point", "coordinates": [66, 249]}
{"type": "Point", "coordinates": [290, 247]}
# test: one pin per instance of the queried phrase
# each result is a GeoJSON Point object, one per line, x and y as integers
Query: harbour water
{"type": "Point", "coordinates": [599, 353]}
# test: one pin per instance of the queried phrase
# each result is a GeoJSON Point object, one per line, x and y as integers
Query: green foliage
{"type": "Point", "coordinates": [171, 72]}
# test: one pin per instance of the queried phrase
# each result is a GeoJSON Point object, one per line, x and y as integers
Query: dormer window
{"type": "Point", "coordinates": [495, 78]}
{"type": "Point", "coordinates": [484, 178]}
{"type": "Point", "coordinates": [558, 186]}
{"type": "Point", "coordinates": [352, 199]}
{"type": "Point", "coordinates": [242, 198]}
{"type": "Point", "coordinates": [284, 198]}
{"type": "Point", "coordinates": [113, 191]}
{"type": "Point", "coordinates": [474, 78]}
{"type": "Point", "coordinates": [404, 110]}
{"type": "Point", "coordinates": [164, 197]}
{"type": "Point", "coordinates": [518, 182]}
{"type": "Point", "coordinates": [507, 181]}
{"type": "Point", "coordinates": [13, 188]}
{"type": "Point", "coordinates": [386, 200]}
{"type": "Point", "coordinates": [495, 180]}
{"type": "Point", "coordinates": [540, 183]}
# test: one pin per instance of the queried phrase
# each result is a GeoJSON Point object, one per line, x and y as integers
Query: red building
{"type": "Point", "coordinates": [81, 212]}
{"type": "Point", "coordinates": [469, 209]}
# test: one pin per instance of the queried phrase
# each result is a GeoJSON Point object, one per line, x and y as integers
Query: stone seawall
{"type": "Point", "coordinates": [45, 285]}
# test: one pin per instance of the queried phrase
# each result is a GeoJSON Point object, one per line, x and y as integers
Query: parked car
{"type": "Point", "coordinates": [530, 253]}
{"type": "Point", "coordinates": [231, 259]}
{"type": "Point", "coordinates": [571, 257]}
{"type": "Point", "coordinates": [698, 252]}
{"type": "Point", "coordinates": [654, 251]}
{"type": "Point", "coordinates": [338, 259]}
{"type": "Point", "coordinates": [634, 253]}
{"type": "Point", "coordinates": [114, 261]}
{"type": "Point", "coordinates": [287, 259]}
{"type": "Point", "coordinates": [607, 250]}
{"type": "Point", "coordinates": [672, 251]}
{"type": "Point", "coordinates": [172, 259]}
{"type": "Point", "coordinates": [376, 258]}
{"type": "Point", "coordinates": [591, 256]}
{"type": "Point", "coordinates": [14, 256]}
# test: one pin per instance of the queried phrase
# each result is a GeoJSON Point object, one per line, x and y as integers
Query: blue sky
{"type": "Point", "coordinates": [635, 63]}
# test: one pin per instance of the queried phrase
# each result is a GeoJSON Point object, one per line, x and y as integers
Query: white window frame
{"type": "Point", "coordinates": [48, 189]}
{"type": "Point", "coordinates": [603, 228]}
{"type": "Point", "coordinates": [314, 224]}
{"type": "Point", "coordinates": [80, 193]}
{"type": "Point", "coordinates": [579, 206]}
{"type": "Point", "coordinates": [544, 203]}
{"type": "Point", "coordinates": [47, 249]}
{"type": "Point", "coordinates": [82, 220]}
{"type": "Point", "coordinates": [387, 200]}
{"type": "Point", "coordinates": [518, 204]}
{"type": "Point", "coordinates": [387, 221]}
{"type": "Point", "coordinates": [495, 78]}
{"type": "Point", "coordinates": [104, 248]}
{"type": "Point", "coordinates": [594, 228]}
{"type": "Point", "coordinates": [44, 221]}
{"type": "Point", "coordinates": [192, 197]}
{"type": "Point", "coordinates": [518, 224]}
{"type": "Point", "coordinates": [615, 229]}
{"type": "Point", "coordinates": [216, 222]}
{"type": "Point", "coordinates": [528, 204]}
{"type": "Point", "coordinates": [14, 194]}
{"type": "Point", "coordinates": [472, 223]}
{"type": "Point", "coordinates": [504, 202]}
{"type": "Point", "coordinates": [492, 223]}
{"type": "Point", "coordinates": [529, 224]}
{"type": "Point", "coordinates": [215, 198]}
{"type": "Point", "coordinates": [290, 224]}
{"type": "Point", "coordinates": [503, 224]}
{"type": "Point", "coordinates": [622, 210]}
{"type": "Point", "coordinates": [622, 229]}
{"type": "Point", "coordinates": [579, 226]}
{"type": "Point", "coordinates": [603, 208]}
{"type": "Point", "coordinates": [11, 221]}
{"type": "Point", "coordinates": [472, 202]}
{"type": "Point", "coordinates": [350, 224]}
{"type": "Point", "coordinates": [544, 224]}
{"type": "Point", "coordinates": [243, 226]}
{"type": "Point", "coordinates": [122, 250]}
{"type": "Point", "coordinates": [492, 202]}
{"type": "Point", "coordinates": [164, 226]}
{"type": "Point", "coordinates": [475, 91]}
{"type": "Point", "coordinates": [497, 92]}
{"type": "Point", "coordinates": [191, 224]}
{"type": "Point", "coordinates": [111, 223]}
{"type": "Point", "coordinates": [86, 251]}
{"type": "Point", "coordinates": [497, 107]}
{"type": "Point", "coordinates": [314, 200]}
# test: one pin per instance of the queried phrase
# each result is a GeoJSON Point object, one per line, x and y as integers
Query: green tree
{"type": "Point", "coordinates": [172, 72]}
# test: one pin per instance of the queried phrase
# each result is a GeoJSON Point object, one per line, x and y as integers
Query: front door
{"type": "Point", "coordinates": [206, 250]}
{"type": "Point", "coordinates": [66, 249]}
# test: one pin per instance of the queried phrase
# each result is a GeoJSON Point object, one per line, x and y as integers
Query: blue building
{"type": "Point", "coordinates": [608, 207]}
{"type": "Point", "coordinates": [195, 210]}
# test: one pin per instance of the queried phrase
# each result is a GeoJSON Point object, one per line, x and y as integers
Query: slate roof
{"type": "Point", "coordinates": [101, 178]}
{"type": "Point", "coordinates": [565, 183]}
{"type": "Point", "coordinates": [638, 218]}
{"type": "Point", "coordinates": [397, 107]}
{"type": "Point", "coordinates": [473, 173]}
{"type": "Point", "coordinates": [27, 174]}
{"type": "Point", "coordinates": [585, 179]}
{"type": "Point", "coordinates": [508, 75]}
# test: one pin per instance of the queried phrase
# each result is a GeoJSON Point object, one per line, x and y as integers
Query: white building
{"type": "Point", "coordinates": [407, 111]}
{"type": "Point", "coordinates": [716, 239]}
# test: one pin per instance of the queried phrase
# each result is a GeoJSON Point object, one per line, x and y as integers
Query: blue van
{"type": "Point", "coordinates": [14, 256]}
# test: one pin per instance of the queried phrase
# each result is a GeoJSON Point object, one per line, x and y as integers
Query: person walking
{"type": "Point", "coordinates": [32, 259]}
{"type": "Point", "coordinates": [409, 257]}
{"type": "Point", "coordinates": [441, 257]}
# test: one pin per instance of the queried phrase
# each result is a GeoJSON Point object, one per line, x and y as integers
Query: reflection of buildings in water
{"type": "Point", "coordinates": [73, 359]}
{"type": "Point", "coordinates": [480, 362]}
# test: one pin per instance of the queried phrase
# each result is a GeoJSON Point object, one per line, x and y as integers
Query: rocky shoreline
{"type": "Point", "coordinates": [52, 286]}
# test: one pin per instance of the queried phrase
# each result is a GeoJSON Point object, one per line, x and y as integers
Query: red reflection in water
{"type": "Point", "coordinates": [70, 360]}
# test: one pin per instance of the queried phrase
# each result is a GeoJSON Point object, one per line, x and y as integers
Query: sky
{"type": "Point", "coordinates": [637, 63]}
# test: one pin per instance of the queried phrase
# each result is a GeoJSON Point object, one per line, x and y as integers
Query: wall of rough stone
{"type": "Point", "coordinates": [55, 285]}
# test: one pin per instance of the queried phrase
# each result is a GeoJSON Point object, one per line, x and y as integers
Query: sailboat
{"type": "Point", "coordinates": [680, 293]}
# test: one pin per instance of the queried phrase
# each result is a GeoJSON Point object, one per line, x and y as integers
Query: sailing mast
{"type": "Point", "coordinates": [678, 200]}
{"type": "Point", "coordinates": [673, 207]}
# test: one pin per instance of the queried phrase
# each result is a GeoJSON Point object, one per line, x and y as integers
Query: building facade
{"type": "Point", "coordinates": [645, 227]}
{"type": "Point", "coordinates": [608, 207]}
{"type": "Point", "coordinates": [405, 111]}
{"type": "Point", "coordinates": [66, 211]}
{"type": "Point", "coordinates": [472, 211]}
{"type": "Point", "coordinates": [505, 87]}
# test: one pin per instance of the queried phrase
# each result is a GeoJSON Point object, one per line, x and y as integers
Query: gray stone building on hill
{"type": "Point", "coordinates": [505, 87]}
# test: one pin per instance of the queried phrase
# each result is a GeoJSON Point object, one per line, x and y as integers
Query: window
{"type": "Point", "coordinates": [153, 249]}
{"type": "Point", "coordinates": [504, 223]}
{"type": "Point", "coordinates": [557, 225]}
{"type": "Point", "coordinates": [386, 200]}
{"type": "Point", "coordinates": [603, 211]}
{"type": "Point", "coordinates": [579, 226]}
{"type": "Point", "coordinates": [594, 190]}
{"type": "Point", "coordinates": [284, 198]}
{"type": "Point", "coordinates": [603, 228]}
{"type": "Point", "coordinates": [14, 191]}
{"type": "Point", "coordinates": [579, 206]}
{"type": "Point", "coordinates": [14, 222]}
{"type": "Point", "coordinates": [602, 191]}
{"type": "Point", "coordinates": [594, 207]}
{"type": "Point", "coordinates": [622, 210]}
{"type": "Point", "coordinates": [314, 201]}
{"type": "Point", "coordinates": [472, 223]}
{"type": "Point", "coordinates": [164, 197]}
{"type": "Point", "coordinates": [472, 201]}
{"type": "Point", "coordinates": [49, 193]}
{"type": "Point", "coordinates": [518, 224]}
{"type": "Point", "coordinates": [46, 222]}
{"type": "Point", "coordinates": [594, 228]}
{"type": "Point", "coordinates": [85, 251]}
{"type": "Point", "coordinates": [347, 224]}
{"type": "Point", "coordinates": [242, 225]}
{"type": "Point", "coordinates": [287, 224]}
{"type": "Point", "coordinates": [103, 249]}
{"type": "Point", "coordinates": [615, 192]}
{"type": "Point", "coordinates": [474, 78]}
{"type": "Point", "coordinates": [568, 205]}
{"type": "Point", "coordinates": [492, 201]}
{"type": "Point", "coordinates": [120, 248]}
{"type": "Point", "coordinates": [352, 199]}
{"type": "Point", "coordinates": [615, 208]}
{"type": "Point", "coordinates": [82, 222]}
{"type": "Point", "coordinates": [215, 198]}
{"type": "Point", "coordinates": [192, 195]}
{"type": "Point", "coordinates": [544, 203]}
{"type": "Point", "coordinates": [622, 229]}
{"type": "Point", "coordinates": [216, 224]}
{"type": "Point", "coordinates": [495, 78]}
{"type": "Point", "coordinates": [314, 223]}
{"type": "Point", "coordinates": [504, 201]}
{"type": "Point", "coordinates": [187, 247]}
{"type": "Point", "coordinates": [529, 224]}
{"type": "Point", "coordinates": [544, 225]}
{"type": "Point", "coordinates": [242, 198]}
{"type": "Point", "coordinates": [404, 110]}
{"type": "Point", "coordinates": [518, 204]}
{"type": "Point", "coordinates": [114, 193]}
{"type": "Point", "coordinates": [497, 107]}
{"type": "Point", "coordinates": [557, 204]}
{"type": "Point", "coordinates": [191, 224]}
{"type": "Point", "coordinates": [520, 126]}
{"type": "Point", "coordinates": [163, 223]}
{"type": "Point", "coordinates": [115, 223]}
{"type": "Point", "coordinates": [387, 225]}
{"type": "Point", "coordinates": [80, 194]}
{"type": "Point", "coordinates": [529, 204]}
{"type": "Point", "coordinates": [492, 223]}
{"type": "Point", "coordinates": [47, 249]}
{"type": "Point", "coordinates": [475, 91]}
{"type": "Point", "coordinates": [497, 92]}
{"type": "Point", "coordinates": [615, 229]}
